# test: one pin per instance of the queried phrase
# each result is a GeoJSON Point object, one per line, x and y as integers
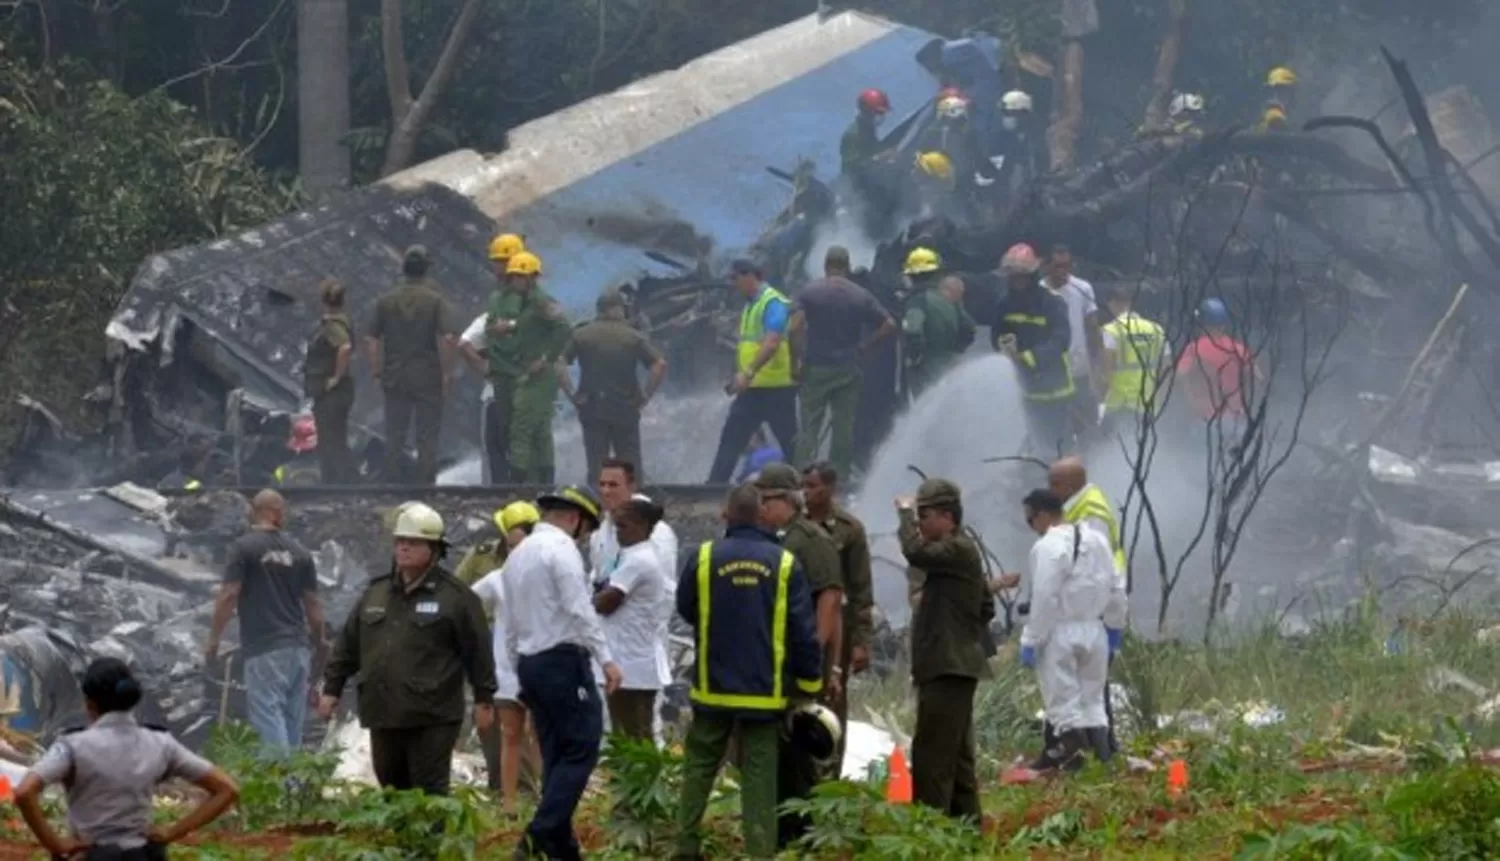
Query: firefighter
{"type": "Point", "coordinates": [1031, 328]}
{"type": "Point", "coordinates": [861, 141]}
{"type": "Point", "coordinates": [736, 593]}
{"type": "Point", "coordinates": [527, 333]}
{"type": "Point", "coordinates": [496, 415]}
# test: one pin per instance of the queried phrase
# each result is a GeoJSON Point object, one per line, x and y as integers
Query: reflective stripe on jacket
{"type": "Point", "coordinates": [1091, 502]}
{"type": "Point", "coordinates": [777, 373]}
{"type": "Point", "coordinates": [1039, 321]}
{"type": "Point", "coordinates": [755, 633]}
{"type": "Point", "coordinates": [1139, 344]}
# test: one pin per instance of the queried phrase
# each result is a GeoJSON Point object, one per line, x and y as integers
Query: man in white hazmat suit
{"type": "Point", "coordinates": [1072, 584]}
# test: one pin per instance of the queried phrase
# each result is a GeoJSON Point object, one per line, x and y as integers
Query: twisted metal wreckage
{"type": "Point", "coordinates": [205, 349]}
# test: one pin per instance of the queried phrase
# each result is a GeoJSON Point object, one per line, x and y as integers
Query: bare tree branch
{"type": "Point", "coordinates": [219, 65]}
{"type": "Point", "coordinates": [407, 116]}
{"type": "Point", "coordinates": [1166, 63]}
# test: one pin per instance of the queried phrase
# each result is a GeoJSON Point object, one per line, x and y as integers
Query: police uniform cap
{"type": "Point", "coordinates": [937, 491]}
{"type": "Point", "coordinates": [778, 477]}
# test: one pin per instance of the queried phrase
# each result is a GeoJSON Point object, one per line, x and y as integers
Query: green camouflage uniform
{"type": "Point", "coordinates": [541, 331]}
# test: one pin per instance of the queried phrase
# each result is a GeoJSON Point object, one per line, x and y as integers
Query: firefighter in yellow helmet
{"type": "Point", "coordinates": [526, 333]}
{"type": "Point", "coordinates": [1281, 87]}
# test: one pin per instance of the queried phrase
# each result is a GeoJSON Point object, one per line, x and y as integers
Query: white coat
{"type": "Point", "coordinates": [1073, 579]}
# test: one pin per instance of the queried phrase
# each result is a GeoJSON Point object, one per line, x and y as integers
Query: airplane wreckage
{"type": "Point", "coordinates": [203, 363]}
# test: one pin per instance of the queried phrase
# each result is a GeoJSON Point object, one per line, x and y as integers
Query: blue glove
{"type": "Point", "coordinates": [1028, 656]}
{"type": "Point", "coordinates": [1116, 639]}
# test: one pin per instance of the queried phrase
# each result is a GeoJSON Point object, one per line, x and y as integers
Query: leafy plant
{"type": "Point", "coordinates": [274, 790]}
{"type": "Point", "coordinates": [645, 782]}
{"type": "Point", "coordinates": [851, 820]}
{"type": "Point", "coordinates": [1057, 830]}
{"type": "Point", "coordinates": [1347, 842]}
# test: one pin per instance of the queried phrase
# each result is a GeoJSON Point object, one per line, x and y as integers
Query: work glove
{"type": "Point", "coordinates": [1116, 639]}
{"type": "Point", "coordinates": [1028, 657]}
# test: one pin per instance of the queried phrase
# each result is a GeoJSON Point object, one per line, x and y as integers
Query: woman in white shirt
{"type": "Point", "coordinates": [635, 606]}
{"type": "Point", "coordinates": [516, 738]}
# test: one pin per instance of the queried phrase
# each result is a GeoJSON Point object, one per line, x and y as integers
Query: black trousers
{"type": "Point", "coordinates": [796, 775]}
{"type": "Point", "coordinates": [149, 852]}
{"type": "Point", "coordinates": [415, 757]}
{"type": "Point", "coordinates": [751, 409]}
{"type": "Point", "coordinates": [558, 687]}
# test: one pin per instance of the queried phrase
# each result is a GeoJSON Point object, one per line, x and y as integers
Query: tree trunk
{"type": "Point", "coordinates": [409, 115]}
{"type": "Point", "coordinates": [1166, 64]}
{"type": "Point", "coordinates": [323, 94]}
{"type": "Point", "coordinates": [1067, 114]}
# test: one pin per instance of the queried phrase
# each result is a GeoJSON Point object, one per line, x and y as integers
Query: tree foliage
{"type": "Point", "coordinates": [95, 181]}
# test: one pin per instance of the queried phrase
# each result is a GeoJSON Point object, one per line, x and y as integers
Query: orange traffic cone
{"type": "Point", "coordinates": [1177, 777]}
{"type": "Point", "coordinates": [898, 787]}
{"type": "Point", "coordinates": [6, 794]}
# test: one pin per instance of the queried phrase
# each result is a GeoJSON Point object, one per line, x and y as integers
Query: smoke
{"type": "Point", "coordinates": [846, 228]}
{"type": "Point", "coordinates": [678, 439]}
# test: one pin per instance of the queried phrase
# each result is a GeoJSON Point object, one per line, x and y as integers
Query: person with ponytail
{"type": "Point", "coordinates": [110, 771]}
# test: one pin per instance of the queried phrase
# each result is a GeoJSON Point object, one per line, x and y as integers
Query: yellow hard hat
{"type": "Point", "coordinates": [418, 521]}
{"type": "Point", "coordinates": [935, 164]}
{"type": "Point", "coordinates": [1281, 76]}
{"type": "Point", "coordinates": [506, 246]}
{"type": "Point", "coordinates": [1274, 116]}
{"type": "Point", "coordinates": [524, 263]}
{"type": "Point", "coordinates": [517, 514]}
{"type": "Point", "coordinates": [922, 260]}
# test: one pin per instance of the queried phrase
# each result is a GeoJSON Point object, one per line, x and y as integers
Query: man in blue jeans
{"type": "Point", "coordinates": [270, 579]}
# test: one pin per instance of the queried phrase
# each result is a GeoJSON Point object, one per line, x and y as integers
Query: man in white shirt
{"type": "Point", "coordinates": [1086, 343]}
{"type": "Point", "coordinates": [492, 443]}
{"type": "Point", "coordinates": [617, 486]}
{"type": "Point", "coordinates": [1073, 578]}
{"type": "Point", "coordinates": [635, 605]}
{"type": "Point", "coordinates": [553, 635]}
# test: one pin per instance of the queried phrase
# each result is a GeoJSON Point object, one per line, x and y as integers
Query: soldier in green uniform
{"type": "Point", "coordinates": [413, 637]}
{"type": "Point", "coordinates": [948, 658]}
{"type": "Point", "coordinates": [609, 399]}
{"type": "Point", "coordinates": [781, 511]}
{"type": "Point", "coordinates": [411, 346]}
{"type": "Point", "coordinates": [819, 486]}
{"type": "Point", "coordinates": [937, 331]}
{"type": "Point", "coordinates": [327, 383]}
{"type": "Point", "coordinates": [527, 332]}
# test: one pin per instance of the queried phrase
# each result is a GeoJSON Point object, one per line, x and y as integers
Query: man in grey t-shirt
{"type": "Point", "coordinates": [836, 322]}
{"type": "Point", "coordinates": [271, 580]}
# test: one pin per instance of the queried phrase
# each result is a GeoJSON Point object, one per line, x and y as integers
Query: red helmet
{"type": "Point", "coordinates": [873, 101]}
{"type": "Point", "coordinates": [304, 435]}
{"type": "Point", "coordinates": [1021, 259]}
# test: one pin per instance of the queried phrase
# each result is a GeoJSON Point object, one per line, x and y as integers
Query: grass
{"type": "Point", "coordinates": [1371, 760]}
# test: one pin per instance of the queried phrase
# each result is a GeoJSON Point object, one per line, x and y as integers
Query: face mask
{"type": "Point", "coordinates": [1010, 123]}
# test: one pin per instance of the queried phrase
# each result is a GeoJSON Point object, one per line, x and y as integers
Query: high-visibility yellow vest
{"type": "Point", "coordinates": [1091, 502]}
{"type": "Point", "coordinates": [776, 373]}
{"type": "Point", "coordinates": [701, 692]}
{"type": "Point", "coordinates": [1139, 344]}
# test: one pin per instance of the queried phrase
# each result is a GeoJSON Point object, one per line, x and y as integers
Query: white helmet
{"type": "Point", "coordinates": [816, 728]}
{"type": "Point", "coordinates": [1185, 103]}
{"type": "Point", "coordinates": [1015, 100]}
{"type": "Point", "coordinates": [953, 107]}
{"type": "Point", "coordinates": [418, 521]}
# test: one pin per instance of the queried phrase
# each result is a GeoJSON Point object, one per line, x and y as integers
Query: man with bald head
{"type": "Point", "coordinates": [1086, 506]}
{"type": "Point", "coordinates": [271, 581]}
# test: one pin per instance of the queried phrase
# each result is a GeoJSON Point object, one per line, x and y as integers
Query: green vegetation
{"type": "Point", "coordinates": [1372, 760]}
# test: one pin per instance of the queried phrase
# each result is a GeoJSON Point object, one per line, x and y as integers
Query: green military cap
{"type": "Point", "coordinates": [937, 491]}
{"type": "Point", "coordinates": [778, 477]}
{"type": "Point", "coordinates": [417, 254]}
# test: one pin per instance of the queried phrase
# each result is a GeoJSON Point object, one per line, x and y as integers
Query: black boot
{"type": "Point", "coordinates": [1065, 754]}
{"type": "Point", "coordinates": [1100, 743]}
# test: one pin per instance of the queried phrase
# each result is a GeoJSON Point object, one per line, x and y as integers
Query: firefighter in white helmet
{"type": "Point", "coordinates": [413, 637]}
{"type": "Point", "coordinates": [1018, 150]}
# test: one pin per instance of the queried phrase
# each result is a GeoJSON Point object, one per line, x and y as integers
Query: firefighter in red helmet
{"type": "Point", "coordinates": [862, 140]}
